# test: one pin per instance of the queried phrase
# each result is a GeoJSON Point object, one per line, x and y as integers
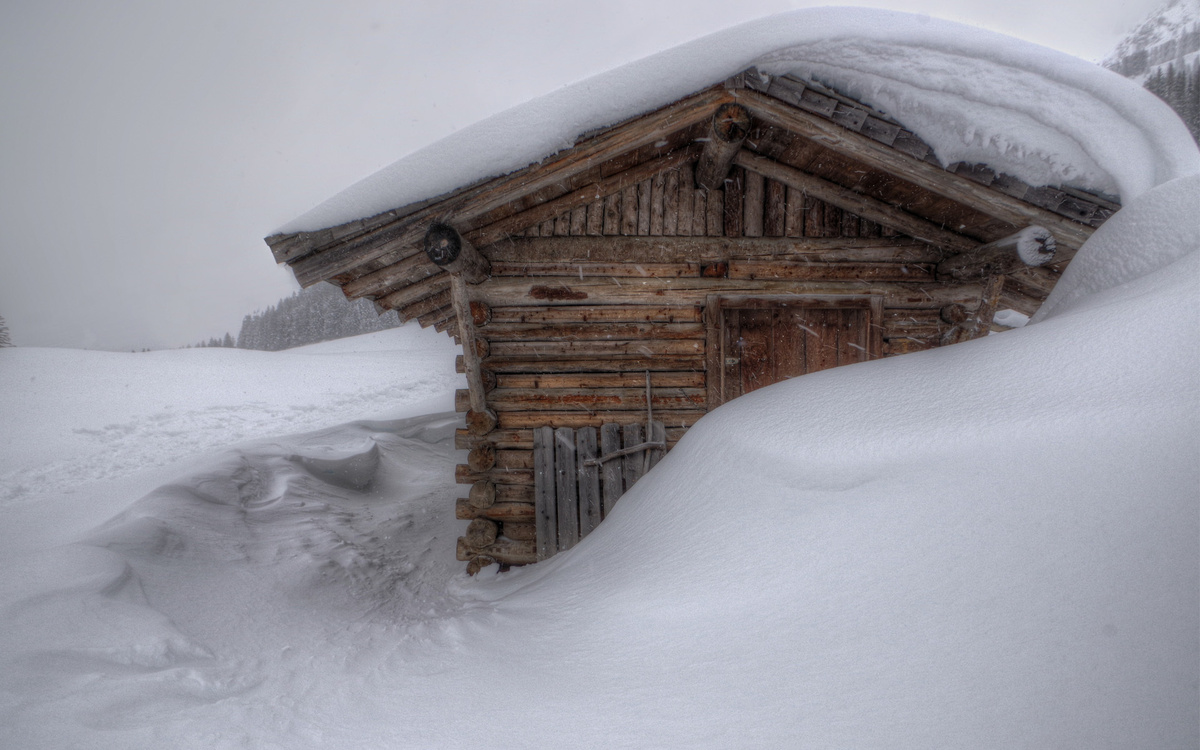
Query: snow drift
{"type": "Point", "coordinates": [973, 95]}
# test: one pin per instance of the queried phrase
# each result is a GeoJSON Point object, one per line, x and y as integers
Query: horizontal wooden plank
{"type": "Point", "coordinates": [522, 439]}
{"type": "Point", "coordinates": [591, 331]}
{"type": "Point", "coordinates": [464, 475]}
{"type": "Point", "coordinates": [621, 249]}
{"type": "Point", "coordinates": [415, 293]}
{"type": "Point", "coordinates": [514, 459]}
{"type": "Point", "coordinates": [586, 399]}
{"type": "Point", "coordinates": [685, 292]}
{"type": "Point", "coordinates": [506, 511]}
{"type": "Point", "coordinates": [898, 346]}
{"type": "Point", "coordinates": [503, 551]}
{"type": "Point", "coordinates": [584, 269]}
{"type": "Point", "coordinates": [926, 324]}
{"type": "Point", "coordinates": [590, 349]}
{"type": "Point", "coordinates": [529, 419]}
{"type": "Point", "coordinates": [596, 314]}
{"type": "Point", "coordinates": [525, 364]}
{"type": "Point", "coordinates": [601, 380]}
{"type": "Point", "coordinates": [757, 269]}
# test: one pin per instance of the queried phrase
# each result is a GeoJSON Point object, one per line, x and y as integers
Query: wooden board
{"type": "Point", "coordinates": [546, 517]}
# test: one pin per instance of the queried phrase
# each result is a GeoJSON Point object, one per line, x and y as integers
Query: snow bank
{"type": "Point", "coordinates": [974, 95]}
{"type": "Point", "coordinates": [77, 416]}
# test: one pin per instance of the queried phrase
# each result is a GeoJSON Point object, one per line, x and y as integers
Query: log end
{"type": "Point", "coordinates": [483, 495]}
{"type": "Point", "coordinates": [478, 563]}
{"type": "Point", "coordinates": [1036, 246]}
{"type": "Point", "coordinates": [481, 422]}
{"type": "Point", "coordinates": [442, 244]}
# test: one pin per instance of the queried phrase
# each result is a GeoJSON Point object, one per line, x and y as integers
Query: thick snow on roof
{"type": "Point", "coordinates": [973, 95]}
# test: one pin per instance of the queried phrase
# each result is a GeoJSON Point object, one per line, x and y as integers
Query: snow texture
{"type": "Point", "coordinates": [973, 95]}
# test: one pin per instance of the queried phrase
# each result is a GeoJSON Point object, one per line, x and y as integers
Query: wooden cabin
{"type": "Point", "coordinates": [610, 295]}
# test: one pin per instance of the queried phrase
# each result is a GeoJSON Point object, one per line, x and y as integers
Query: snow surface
{"type": "Point", "coordinates": [973, 95]}
{"type": "Point", "coordinates": [995, 544]}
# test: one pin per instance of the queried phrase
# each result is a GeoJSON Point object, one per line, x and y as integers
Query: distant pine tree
{"type": "Point", "coordinates": [319, 313]}
{"type": "Point", "coordinates": [5, 337]}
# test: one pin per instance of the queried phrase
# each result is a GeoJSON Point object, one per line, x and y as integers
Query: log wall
{"type": "Point", "coordinates": [580, 307]}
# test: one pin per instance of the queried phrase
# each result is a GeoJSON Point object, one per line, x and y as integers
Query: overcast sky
{"type": "Point", "coordinates": [147, 146]}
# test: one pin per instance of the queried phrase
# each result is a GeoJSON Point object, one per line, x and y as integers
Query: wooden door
{"type": "Point", "coordinates": [763, 341]}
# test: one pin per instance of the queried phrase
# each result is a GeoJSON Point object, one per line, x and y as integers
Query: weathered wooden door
{"type": "Point", "coordinates": [579, 475]}
{"type": "Point", "coordinates": [761, 341]}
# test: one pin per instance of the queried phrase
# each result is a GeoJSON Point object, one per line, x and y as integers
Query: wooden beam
{"type": "Point", "coordinates": [475, 201]}
{"type": "Point", "coordinates": [447, 249]}
{"type": "Point", "coordinates": [500, 292]}
{"type": "Point", "coordinates": [857, 203]}
{"type": "Point", "coordinates": [987, 307]}
{"type": "Point", "coordinates": [1032, 246]}
{"type": "Point", "coordinates": [993, 203]}
{"type": "Point", "coordinates": [706, 249]}
{"type": "Point", "coordinates": [480, 420]}
{"type": "Point", "coordinates": [727, 131]}
{"type": "Point", "coordinates": [586, 195]}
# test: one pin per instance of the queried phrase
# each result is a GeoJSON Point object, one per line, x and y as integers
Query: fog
{"type": "Point", "coordinates": [148, 147]}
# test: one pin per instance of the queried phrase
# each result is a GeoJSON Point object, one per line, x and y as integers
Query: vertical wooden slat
{"type": "Point", "coordinates": [579, 221]}
{"type": "Point", "coordinates": [562, 225]}
{"type": "Point", "coordinates": [658, 433]}
{"type": "Point", "coordinates": [849, 224]}
{"type": "Point", "coordinates": [774, 209]}
{"type": "Point", "coordinates": [733, 201]}
{"type": "Point", "coordinates": [548, 228]}
{"type": "Point", "coordinates": [814, 217]}
{"type": "Point", "coordinates": [629, 210]}
{"type": "Point", "coordinates": [833, 220]}
{"type": "Point", "coordinates": [715, 220]}
{"type": "Point", "coordinates": [854, 345]}
{"type": "Point", "coordinates": [566, 488]}
{"type": "Point", "coordinates": [822, 345]}
{"type": "Point", "coordinates": [755, 343]}
{"type": "Point", "coordinates": [634, 462]}
{"type": "Point", "coordinates": [657, 188]}
{"type": "Point", "coordinates": [671, 204]}
{"type": "Point", "coordinates": [612, 214]}
{"type": "Point", "coordinates": [752, 204]}
{"type": "Point", "coordinates": [868, 228]}
{"type": "Point", "coordinates": [788, 332]}
{"type": "Point", "coordinates": [643, 221]}
{"type": "Point", "coordinates": [794, 222]}
{"type": "Point", "coordinates": [590, 508]}
{"type": "Point", "coordinates": [714, 356]}
{"type": "Point", "coordinates": [595, 218]}
{"type": "Point", "coordinates": [731, 355]}
{"type": "Point", "coordinates": [610, 442]}
{"type": "Point", "coordinates": [687, 199]}
{"type": "Point", "coordinates": [545, 507]}
{"type": "Point", "coordinates": [699, 213]}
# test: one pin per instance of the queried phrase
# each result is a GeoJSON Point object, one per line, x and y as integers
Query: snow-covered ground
{"type": "Point", "coordinates": [989, 545]}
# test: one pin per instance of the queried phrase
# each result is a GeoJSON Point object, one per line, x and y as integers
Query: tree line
{"type": "Point", "coordinates": [1180, 88]}
{"type": "Point", "coordinates": [319, 313]}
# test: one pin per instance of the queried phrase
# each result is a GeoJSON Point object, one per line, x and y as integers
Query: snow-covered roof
{"type": "Point", "coordinates": [975, 96]}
